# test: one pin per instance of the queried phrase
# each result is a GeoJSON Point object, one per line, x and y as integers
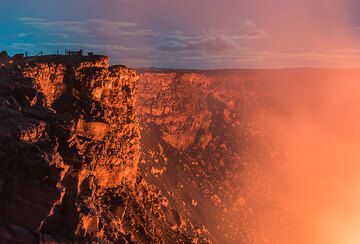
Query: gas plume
{"type": "Point", "coordinates": [305, 187]}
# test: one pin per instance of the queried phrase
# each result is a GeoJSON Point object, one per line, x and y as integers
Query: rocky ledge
{"type": "Point", "coordinates": [69, 149]}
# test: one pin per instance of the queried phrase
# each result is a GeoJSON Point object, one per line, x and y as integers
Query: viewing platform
{"type": "Point", "coordinates": [68, 57]}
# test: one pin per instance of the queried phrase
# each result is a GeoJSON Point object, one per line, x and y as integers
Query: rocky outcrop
{"type": "Point", "coordinates": [177, 104]}
{"type": "Point", "coordinates": [69, 152]}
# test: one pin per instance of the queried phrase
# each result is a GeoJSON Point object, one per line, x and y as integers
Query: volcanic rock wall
{"type": "Point", "coordinates": [195, 140]}
{"type": "Point", "coordinates": [69, 149]}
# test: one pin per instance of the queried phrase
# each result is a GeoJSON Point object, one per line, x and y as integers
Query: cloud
{"type": "Point", "coordinates": [31, 19]}
{"type": "Point", "coordinates": [213, 41]}
{"type": "Point", "coordinates": [56, 26]}
{"type": "Point", "coordinates": [86, 27]}
{"type": "Point", "coordinates": [22, 35]}
{"type": "Point", "coordinates": [22, 45]}
{"type": "Point", "coordinates": [114, 25]}
{"type": "Point", "coordinates": [207, 43]}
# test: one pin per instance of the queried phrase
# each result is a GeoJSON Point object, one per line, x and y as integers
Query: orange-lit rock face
{"type": "Point", "coordinates": [69, 152]}
{"type": "Point", "coordinates": [61, 147]}
{"type": "Point", "coordinates": [60, 142]}
{"type": "Point", "coordinates": [99, 101]}
{"type": "Point", "coordinates": [181, 111]}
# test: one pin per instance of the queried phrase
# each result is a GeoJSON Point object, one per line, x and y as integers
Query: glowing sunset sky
{"type": "Point", "coordinates": [189, 33]}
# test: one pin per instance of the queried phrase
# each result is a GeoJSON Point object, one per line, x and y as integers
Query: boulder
{"type": "Point", "coordinates": [92, 130]}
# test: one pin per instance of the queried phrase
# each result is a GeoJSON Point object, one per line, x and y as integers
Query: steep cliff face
{"type": "Point", "coordinates": [69, 151]}
{"type": "Point", "coordinates": [195, 140]}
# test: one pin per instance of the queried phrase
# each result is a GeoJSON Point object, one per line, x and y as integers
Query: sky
{"type": "Point", "coordinates": [198, 34]}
